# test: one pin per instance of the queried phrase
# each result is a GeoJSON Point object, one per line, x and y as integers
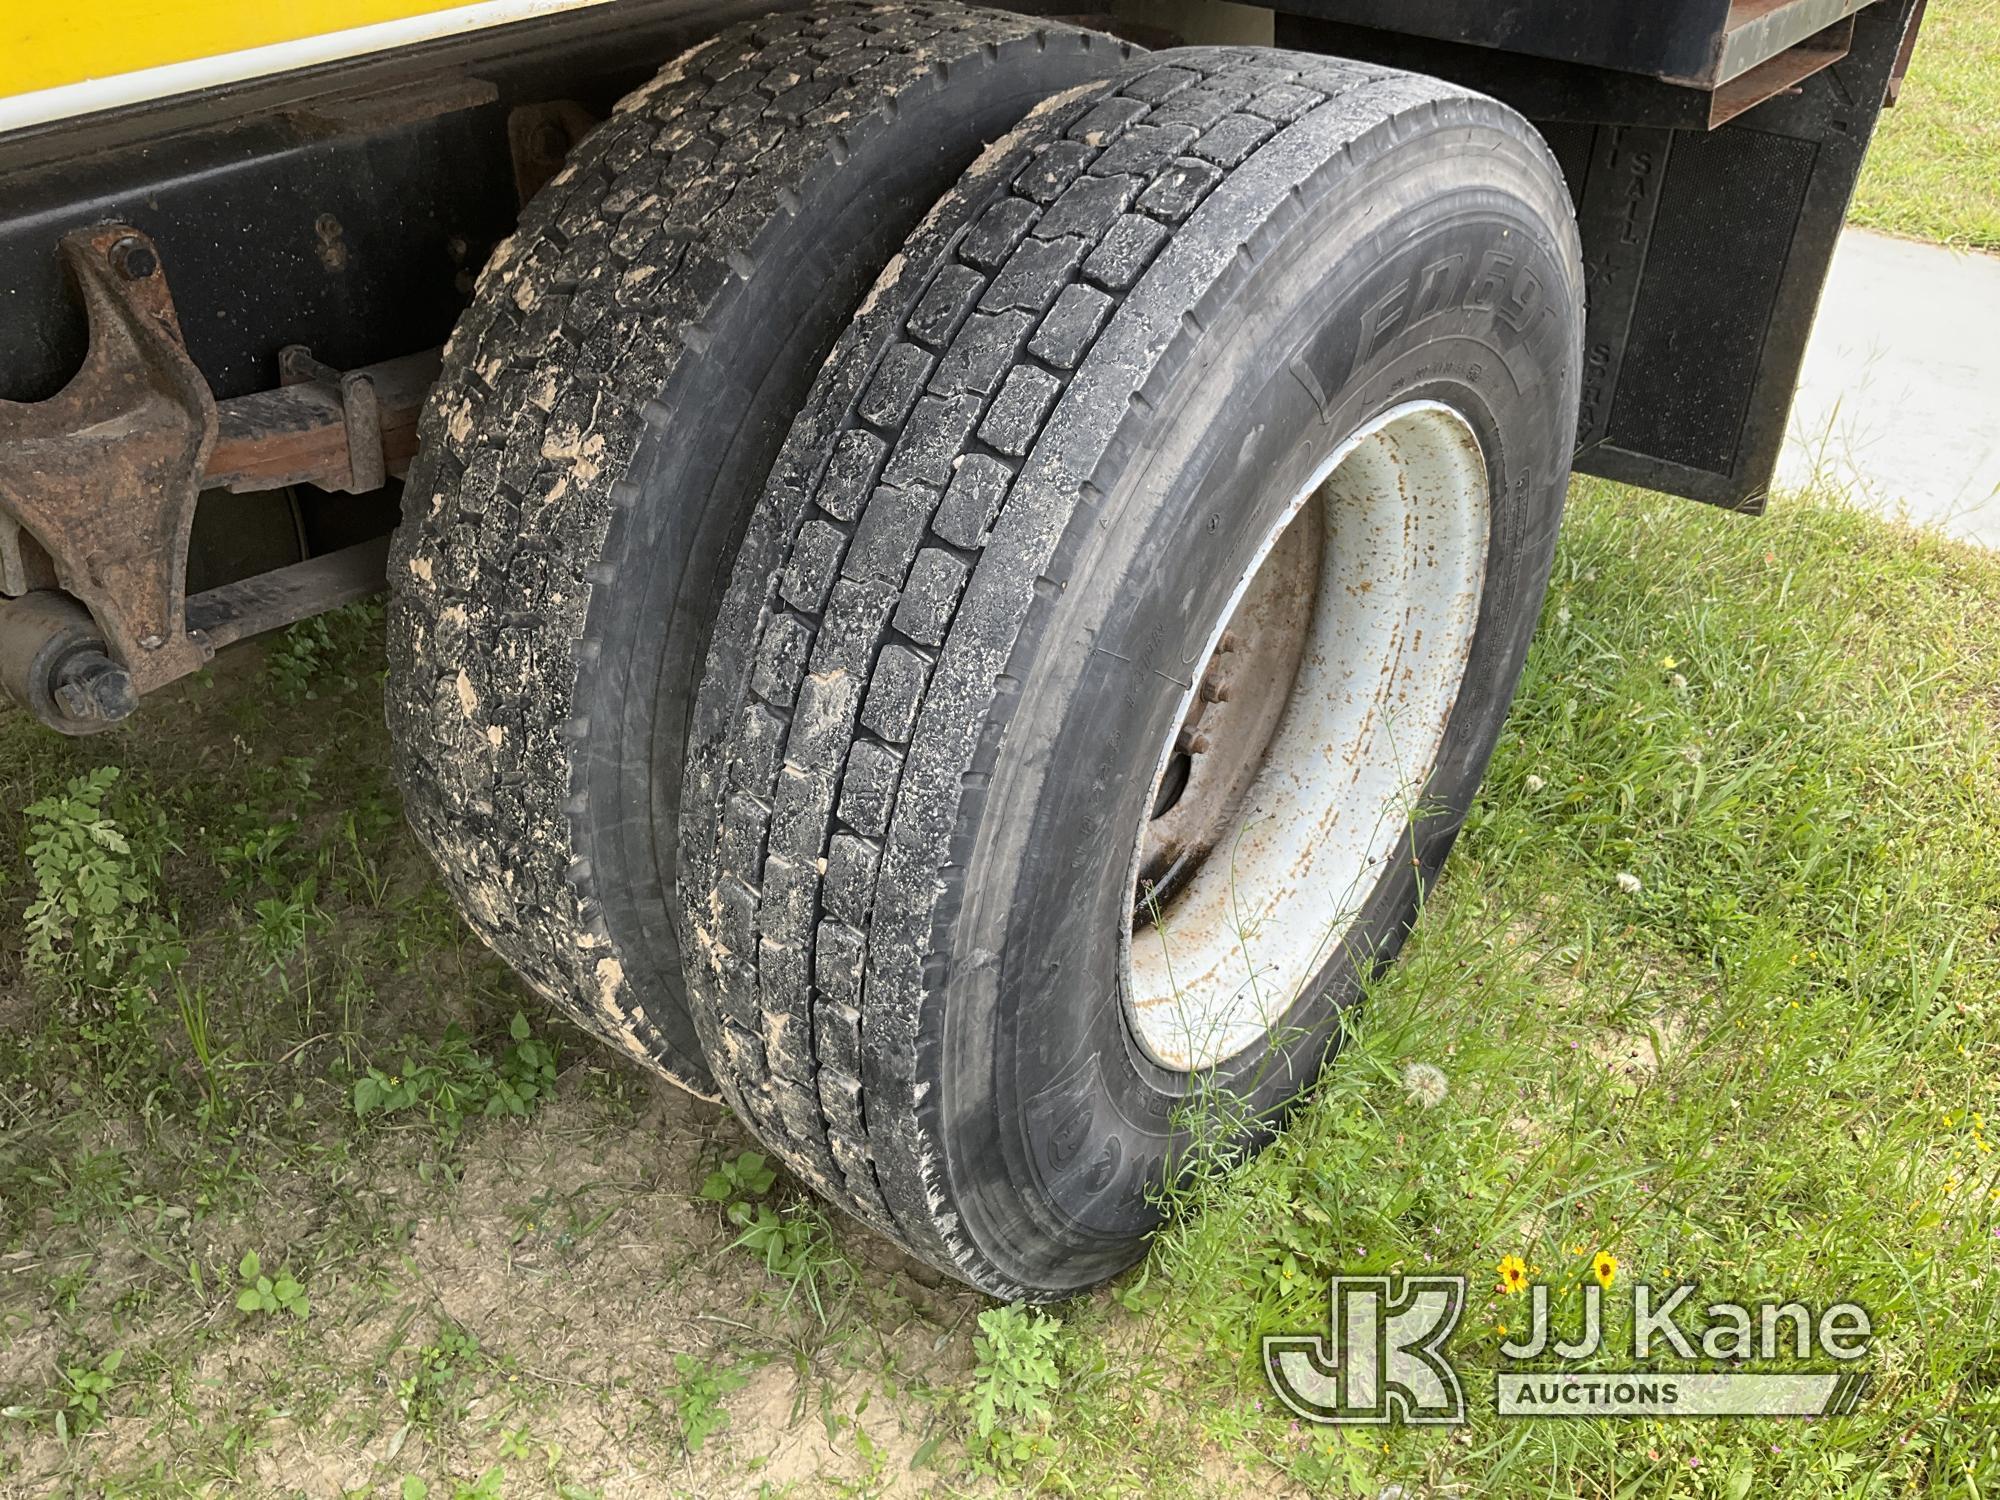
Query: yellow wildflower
{"type": "Point", "coordinates": [1604, 1266]}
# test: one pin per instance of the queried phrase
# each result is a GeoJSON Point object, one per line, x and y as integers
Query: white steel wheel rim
{"type": "Point", "coordinates": [1402, 513]}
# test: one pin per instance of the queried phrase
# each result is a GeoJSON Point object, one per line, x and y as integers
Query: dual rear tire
{"type": "Point", "coordinates": [1112, 653]}
{"type": "Point", "coordinates": [607, 411]}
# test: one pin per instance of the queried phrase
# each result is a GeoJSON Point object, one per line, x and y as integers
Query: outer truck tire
{"type": "Point", "coordinates": [1199, 461]}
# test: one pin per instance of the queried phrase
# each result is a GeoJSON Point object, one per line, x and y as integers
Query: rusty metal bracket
{"type": "Point", "coordinates": [103, 475]}
{"type": "Point", "coordinates": [98, 486]}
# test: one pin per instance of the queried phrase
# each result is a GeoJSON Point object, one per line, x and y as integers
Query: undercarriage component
{"type": "Point", "coordinates": [284, 596]}
{"type": "Point", "coordinates": [103, 475]}
{"type": "Point", "coordinates": [345, 431]}
{"type": "Point", "coordinates": [52, 654]}
{"type": "Point", "coordinates": [540, 138]}
{"type": "Point", "coordinates": [98, 486]}
{"type": "Point", "coordinates": [52, 663]}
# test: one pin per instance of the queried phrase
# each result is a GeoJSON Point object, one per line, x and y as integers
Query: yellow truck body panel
{"type": "Point", "coordinates": [60, 61]}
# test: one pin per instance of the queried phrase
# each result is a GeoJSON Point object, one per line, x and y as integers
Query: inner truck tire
{"type": "Point", "coordinates": [607, 413]}
{"type": "Point", "coordinates": [1197, 464]}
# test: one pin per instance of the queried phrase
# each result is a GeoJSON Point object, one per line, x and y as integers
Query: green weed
{"type": "Point", "coordinates": [486, 1487]}
{"type": "Point", "coordinates": [1019, 1354]}
{"type": "Point", "coordinates": [697, 1393]}
{"type": "Point", "coordinates": [451, 1079]}
{"type": "Point", "coordinates": [795, 1246]}
{"type": "Point", "coordinates": [261, 1294]}
{"type": "Point", "coordinates": [92, 913]}
{"type": "Point", "coordinates": [294, 663]}
{"type": "Point", "coordinates": [435, 1392]}
{"type": "Point", "coordinates": [793, 1243]}
{"type": "Point", "coordinates": [739, 1177]}
{"type": "Point", "coordinates": [85, 1394]}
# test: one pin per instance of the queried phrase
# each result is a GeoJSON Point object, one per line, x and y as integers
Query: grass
{"type": "Point", "coordinates": [265, 1054]}
{"type": "Point", "coordinates": [1933, 172]}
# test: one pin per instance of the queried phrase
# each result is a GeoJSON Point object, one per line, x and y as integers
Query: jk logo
{"type": "Point", "coordinates": [1385, 1360]}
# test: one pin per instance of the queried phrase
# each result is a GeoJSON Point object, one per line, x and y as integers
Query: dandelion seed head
{"type": "Point", "coordinates": [1426, 1085]}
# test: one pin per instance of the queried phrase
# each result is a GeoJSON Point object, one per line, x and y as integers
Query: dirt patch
{"type": "Point", "coordinates": [531, 1304]}
{"type": "Point", "coordinates": [1638, 1055]}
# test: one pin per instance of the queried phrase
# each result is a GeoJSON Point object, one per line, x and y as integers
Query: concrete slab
{"type": "Point", "coordinates": [1899, 402]}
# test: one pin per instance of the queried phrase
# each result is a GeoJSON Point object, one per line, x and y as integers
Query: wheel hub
{"type": "Point", "coordinates": [1237, 703]}
{"type": "Point", "coordinates": [1304, 745]}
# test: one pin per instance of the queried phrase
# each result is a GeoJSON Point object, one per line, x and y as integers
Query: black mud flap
{"type": "Point", "coordinates": [1705, 253]}
{"type": "Point", "coordinates": [1705, 250]}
